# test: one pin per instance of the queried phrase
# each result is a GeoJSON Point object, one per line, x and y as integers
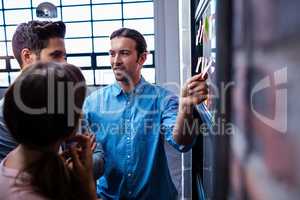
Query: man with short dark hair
{"type": "Point", "coordinates": [131, 119]}
{"type": "Point", "coordinates": [31, 42]}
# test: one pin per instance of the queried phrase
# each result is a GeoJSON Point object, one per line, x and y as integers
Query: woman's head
{"type": "Point", "coordinates": [42, 107]}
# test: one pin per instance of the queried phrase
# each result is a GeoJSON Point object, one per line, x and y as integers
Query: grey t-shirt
{"type": "Point", "coordinates": [7, 143]}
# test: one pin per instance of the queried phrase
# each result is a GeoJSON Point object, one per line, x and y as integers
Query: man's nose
{"type": "Point", "coordinates": [117, 59]}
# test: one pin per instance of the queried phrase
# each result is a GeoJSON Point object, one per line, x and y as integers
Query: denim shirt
{"type": "Point", "coordinates": [132, 128]}
{"type": "Point", "coordinates": [7, 143]}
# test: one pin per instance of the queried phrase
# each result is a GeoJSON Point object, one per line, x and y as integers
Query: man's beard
{"type": "Point", "coordinates": [122, 76]}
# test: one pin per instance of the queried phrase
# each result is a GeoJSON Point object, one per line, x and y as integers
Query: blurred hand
{"type": "Point", "coordinates": [92, 138]}
{"type": "Point", "coordinates": [82, 163]}
{"type": "Point", "coordinates": [195, 91]}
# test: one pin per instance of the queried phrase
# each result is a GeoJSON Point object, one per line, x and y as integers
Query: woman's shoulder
{"type": "Point", "coordinates": [10, 187]}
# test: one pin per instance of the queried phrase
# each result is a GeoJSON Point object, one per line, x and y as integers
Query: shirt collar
{"type": "Point", "coordinates": [117, 89]}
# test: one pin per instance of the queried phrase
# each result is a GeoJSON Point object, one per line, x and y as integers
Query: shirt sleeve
{"type": "Point", "coordinates": [98, 154]}
{"type": "Point", "coordinates": [7, 143]}
{"type": "Point", "coordinates": [169, 115]}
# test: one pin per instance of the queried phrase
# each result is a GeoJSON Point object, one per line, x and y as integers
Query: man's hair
{"type": "Point", "coordinates": [35, 36]}
{"type": "Point", "coordinates": [141, 45]}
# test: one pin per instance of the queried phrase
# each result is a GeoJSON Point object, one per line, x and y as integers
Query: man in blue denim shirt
{"type": "Point", "coordinates": [131, 119]}
{"type": "Point", "coordinates": [39, 41]}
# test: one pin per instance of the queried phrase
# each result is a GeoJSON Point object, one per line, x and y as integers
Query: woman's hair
{"type": "Point", "coordinates": [41, 109]}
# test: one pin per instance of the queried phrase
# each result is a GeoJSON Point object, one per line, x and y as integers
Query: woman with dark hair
{"type": "Point", "coordinates": [42, 110]}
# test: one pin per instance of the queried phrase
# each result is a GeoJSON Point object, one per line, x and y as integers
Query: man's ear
{"type": "Point", "coordinates": [27, 57]}
{"type": "Point", "coordinates": [142, 58]}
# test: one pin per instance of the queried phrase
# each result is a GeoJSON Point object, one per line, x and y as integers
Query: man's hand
{"type": "Point", "coordinates": [194, 91]}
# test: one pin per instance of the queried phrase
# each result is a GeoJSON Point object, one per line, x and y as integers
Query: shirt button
{"type": "Point", "coordinates": [129, 174]}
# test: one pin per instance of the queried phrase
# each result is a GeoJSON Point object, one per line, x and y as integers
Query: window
{"type": "Point", "coordinates": [89, 25]}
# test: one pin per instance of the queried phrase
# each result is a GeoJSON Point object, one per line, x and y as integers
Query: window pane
{"type": "Point", "coordinates": [106, 1]}
{"type": "Point", "coordinates": [2, 64]}
{"type": "Point", "coordinates": [1, 17]}
{"type": "Point", "coordinates": [14, 64]}
{"type": "Point", "coordinates": [101, 44]}
{"type": "Point", "coordinates": [103, 61]}
{"type": "Point", "coordinates": [78, 45]}
{"type": "Point", "coordinates": [76, 13]}
{"type": "Point", "coordinates": [150, 42]}
{"type": "Point", "coordinates": [145, 26]}
{"type": "Point", "coordinates": [17, 16]}
{"type": "Point", "coordinates": [104, 77]}
{"type": "Point", "coordinates": [4, 79]}
{"type": "Point", "coordinates": [149, 74]}
{"type": "Point", "coordinates": [72, 2]}
{"type": "Point", "coordinates": [3, 49]}
{"type": "Point", "coordinates": [17, 4]}
{"type": "Point", "coordinates": [132, 0]}
{"type": "Point", "coordinates": [89, 76]}
{"type": "Point", "coordinates": [10, 30]}
{"type": "Point", "coordinates": [9, 49]}
{"type": "Point", "coordinates": [80, 61]}
{"type": "Point", "coordinates": [35, 3]}
{"type": "Point", "coordinates": [101, 12]}
{"type": "Point", "coordinates": [58, 18]}
{"type": "Point", "coordinates": [138, 10]}
{"type": "Point", "coordinates": [106, 28]}
{"type": "Point", "coordinates": [149, 60]}
{"type": "Point", "coordinates": [13, 76]}
{"type": "Point", "coordinates": [2, 35]}
{"type": "Point", "coordinates": [78, 29]}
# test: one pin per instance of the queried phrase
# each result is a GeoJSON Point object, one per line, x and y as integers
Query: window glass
{"type": "Point", "coordinates": [149, 74]}
{"type": "Point", "coordinates": [1, 17]}
{"type": "Point", "coordinates": [3, 49]}
{"type": "Point", "coordinates": [78, 45]}
{"type": "Point", "coordinates": [76, 13]}
{"type": "Point", "coordinates": [4, 79]}
{"type": "Point", "coordinates": [101, 44]}
{"type": "Point", "coordinates": [16, 4]}
{"type": "Point", "coordinates": [103, 61]}
{"type": "Point", "coordinates": [13, 76]}
{"type": "Point", "coordinates": [35, 3]}
{"type": "Point", "coordinates": [102, 12]}
{"type": "Point", "coordinates": [132, 0]}
{"type": "Point", "coordinates": [10, 30]}
{"type": "Point", "coordinates": [150, 42]}
{"type": "Point", "coordinates": [144, 26]}
{"type": "Point", "coordinates": [9, 49]}
{"type": "Point", "coordinates": [104, 77]}
{"type": "Point", "coordinates": [149, 60]}
{"type": "Point", "coordinates": [72, 2]}
{"type": "Point", "coordinates": [78, 29]}
{"type": "Point", "coordinates": [14, 64]}
{"type": "Point", "coordinates": [89, 76]}
{"type": "Point", "coordinates": [2, 35]}
{"type": "Point", "coordinates": [17, 16]}
{"type": "Point", "coordinates": [2, 64]}
{"type": "Point", "coordinates": [80, 61]}
{"type": "Point", "coordinates": [138, 10]}
{"type": "Point", "coordinates": [105, 28]}
{"type": "Point", "coordinates": [106, 1]}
